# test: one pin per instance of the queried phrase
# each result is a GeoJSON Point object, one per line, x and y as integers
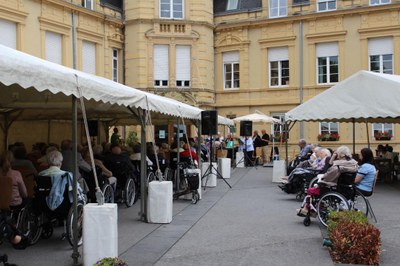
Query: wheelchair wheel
{"type": "Point", "coordinates": [169, 174]}
{"type": "Point", "coordinates": [151, 177]}
{"type": "Point", "coordinates": [307, 221]}
{"type": "Point", "coordinates": [108, 193]}
{"type": "Point", "coordinates": [331, 201]}
{"type": "Point", "coordinates": [70, 219]}
{"type": "Point", "coordinates": [313, 182]}
{"type": "Point", "coordinates": [30, 224]}
{"type": "Point", "coordinates": [195, 197]}
{"type": "Point", "coordinates": [129, 192]}
{"type": "Point", "coordinates": [360, 203]}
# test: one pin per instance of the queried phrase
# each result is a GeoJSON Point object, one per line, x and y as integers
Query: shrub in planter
{"type": "Point", "coordinates": [355, 243]}
{"type": "Point", "coordinates": [111, 262]}
{"type": "Point", "coordinates": [346, 216]}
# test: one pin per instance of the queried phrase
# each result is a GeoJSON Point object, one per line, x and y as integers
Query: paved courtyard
{"type": "Point", "coordinates": [254, 223]}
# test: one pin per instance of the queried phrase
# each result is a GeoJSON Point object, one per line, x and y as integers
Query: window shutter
{"type": "Point", "coordinates": [53, 47]}
{"type": "Point", "coordinates": [378, 46]}
{"type": "Point", "coordinates": [89, 57]}
{"type": "Point", "coordinates": [8, 33]}
{"type": "Point", "coordinates": [160, 59]}
{"type": "Point", "coordinates": [278, 54]}
{"type": "Point", "coordinates": [327, 49]}
{"type": "Point", "coordinates": [231, 57]}
{"type": "Point", "coordinates": [182, 62]}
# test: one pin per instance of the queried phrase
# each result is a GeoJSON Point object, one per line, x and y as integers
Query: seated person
{"type": "Point", "coordinates": [321, 155]}
{"type": "Point", "coordinates": [154, 156]}
{"type": "Point", "coordinates": [21, 161]}
{"type": "Point", "coordinates": [19, 192]}
{"type": "Point", "coordinates": [341, 162]}
{"type": "Point", "coordinates": [118, 163]}
{"type": "Point", "coordinates": [99, 164]}
{"type": "Point", "coordinates": [366, 173]}
{"type": "Point", "coordinates": [56, 196]}
{"type": "Point", "coordinates": [188, 152]}
{"type": "Point", "coordinates": [305, 149]}
{"type": "Point", "coordinates": [10, 232]}
{"type": "Point", "coordinates": [137, 155]}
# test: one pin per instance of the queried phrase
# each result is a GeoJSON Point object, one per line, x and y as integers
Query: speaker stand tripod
{"type": "Point", "coordinates": [211, 167]}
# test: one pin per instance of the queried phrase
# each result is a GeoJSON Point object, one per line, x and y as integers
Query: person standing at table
{"type": "Point", "coordinates": [264, 144]}
{"type": "Point", "coordinates": [249, 149]}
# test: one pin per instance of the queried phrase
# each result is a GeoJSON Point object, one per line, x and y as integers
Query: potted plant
{"type": "Point", "coordinates": [385, 135]}
{"type": "Point", "coordinates": [110, 262]}
{"type": "Point", "coordinates": [329, 137]}
{"type": "Point", "coordinates": [352, 239]}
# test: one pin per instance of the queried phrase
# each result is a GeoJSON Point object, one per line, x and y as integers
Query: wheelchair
{"type": "Point", "coordinates": [343, 196]}
{"type": "Point", "coordinates": [38, 220]}
{"type": "Point", "coordinates": [127, 182]}
{"type": "Point", "coordinates": [106, 188]}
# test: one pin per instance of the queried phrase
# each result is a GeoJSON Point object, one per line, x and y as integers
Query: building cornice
{"type": "Point", "coordinates": [83, 10]}
{"type": "Point", "coordinates": [261, 22]}
{"type": "Point", "coordinates": [367, 32]}
{"type": "Point", "coordinates": [13, 14]}
{"type": "Point", "coordinates": [319, 35]}
{"type": "Point", "coordinates": [169, 21]}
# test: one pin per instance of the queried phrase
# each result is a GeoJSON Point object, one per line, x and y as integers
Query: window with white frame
{"type": "Point", "coordinates": [380, 52]}
{"type": "Point", "coordinates": [378, 2]}
{"type": "Point", "coordinates": [53, 47]}
{"type": "Point", "coordinates": [232, 5]}
{"type": "Point", "coordinates": [182, 66]}
{"type": "Point", "coordinates": [89, 57]}
{"type": "Point", "coordinates": [277, 8]}
{"type": "Point", "coordinates": [115, 65]}
{"type": "Point", "coordinates": [87, 4]}
{"type": "Point", "coordinates": [328, 128]}
{"type": "Point", "coordinates": [160, 65]}
{"type": "Point", "coordinates": [382, 130]}
{"type": "Point", "coordinates": [231, 70]}
{"type": "Point", "coordinates": [327, 63]}
{"type": "Point", "coordinates": [326, 5]}
{"type": "Point", "coordinates": [278, 59]}
{"type": "Point", "coordinates": [171, 9]}
{"type": "Point", "coordinates": [8, 33]}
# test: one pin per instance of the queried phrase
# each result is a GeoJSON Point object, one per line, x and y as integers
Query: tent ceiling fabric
{"type": "Point", "coordinates": [363, 96]}
{"type": "Point", "coordinates": [257, 118]}
{"type": "Point", "coordinates": [55, 82]}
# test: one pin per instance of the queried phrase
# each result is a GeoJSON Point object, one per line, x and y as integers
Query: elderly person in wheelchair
{"type": "Point", "coordinates": [304, 173]}
{"type": "Point", "coordinates": [341, 162]}
{"type": "Point", "coordinates": [59, 180]}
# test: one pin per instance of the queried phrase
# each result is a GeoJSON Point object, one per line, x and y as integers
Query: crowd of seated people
{"type": "Point", "coordinates": [342, 162]}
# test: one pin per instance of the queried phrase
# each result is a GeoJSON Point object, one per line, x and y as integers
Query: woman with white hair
{"type": "Point", "coordinates": [58, 180]}
{"type": "Point", "coordinates": [341, 162]}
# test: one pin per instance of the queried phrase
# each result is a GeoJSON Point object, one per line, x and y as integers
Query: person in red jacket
{"type": "Point", "coordinates": [188, 151]}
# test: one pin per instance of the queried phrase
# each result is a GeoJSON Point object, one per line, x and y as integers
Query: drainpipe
{"type": "Point", "coordinates": [301, 74]}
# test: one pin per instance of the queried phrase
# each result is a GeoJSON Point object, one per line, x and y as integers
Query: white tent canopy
{"type": "Point", "coordinates": [52, 83]}
{"type": "Point", "coordinates": [363, 96]}
{"type": "Point", "coordinates": [257, 118]}
{"type": "Point", "coordinates": [20, 71]}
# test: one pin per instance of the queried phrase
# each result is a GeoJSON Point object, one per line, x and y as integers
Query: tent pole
{"type": "Point", "coordinates": [354, 136]}
{"type": "Point", "coordinates": [198, 124]}
{"type": "Point", "coordinates": [178, 155]}
{"type": "Point", "coordinates": [75, 252]}
{"type": "Point", "coordinates": [366, 125]}
{"type": "Point", "coordinates": [286, 144]}
{"type": "Point", "coordinates": [143, 166]}
{"type": "Point", "coordinates": [5, 130]}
